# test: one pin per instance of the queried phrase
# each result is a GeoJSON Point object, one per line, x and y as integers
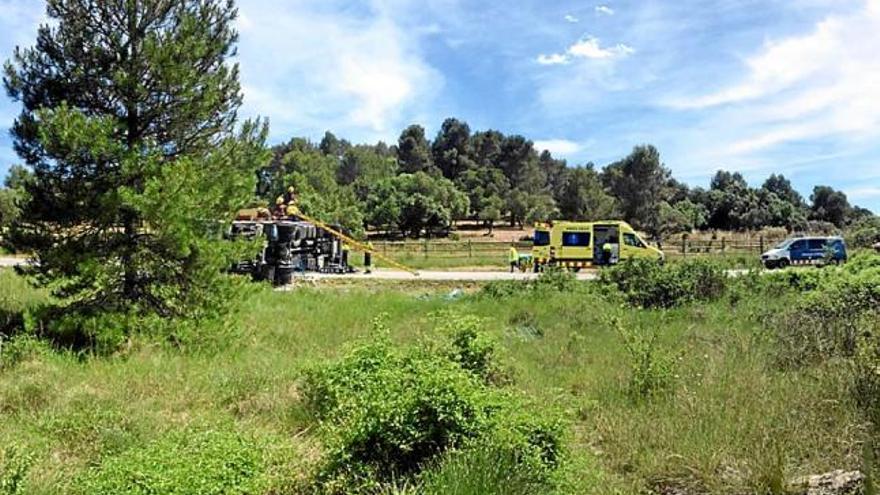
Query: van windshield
{"type": "Point", "coordinates": [542, 238]}
{"type": "Point", "coordinates": [784, 244]}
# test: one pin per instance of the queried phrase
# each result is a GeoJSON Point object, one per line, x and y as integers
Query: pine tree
{"type": "Point", "coordinates": [128, 122]}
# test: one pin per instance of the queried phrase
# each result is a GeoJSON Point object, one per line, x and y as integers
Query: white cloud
{"type": "Point", "coordinates": [311, 66]}
{"type": "Point", "coordinates": [572, 19]}
{"type": "Point", "coordinates": [604, 10]}
{"type": "Point", "coordinates": [589, 48]}
{"type": "Point", "coordinates": [552, 59]}
{"type": "Point", "coordinates": [560, 147]}
{"type": "Point", "coordinates": [863, 193]}
{"type": "Point", "coordinates": [821, 84]}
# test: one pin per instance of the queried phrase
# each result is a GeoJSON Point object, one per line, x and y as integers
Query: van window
{"type": "Point", "coordinates": [816, 244]}
{"type": "Point", "coordinates": [632, 240]}
{"type": "Point", "coordinates": [575, 239]}
{"type": "Point", "coordinates": [798, 245]}
{"type": "Point", "coordinates": [542, 238]}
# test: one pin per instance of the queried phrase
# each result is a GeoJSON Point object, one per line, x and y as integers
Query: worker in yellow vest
{"type": "Point", "coordinates": [280, 208]}
{"type": "Point", "coordinates": [345, 249]}
{"type": "Point", "coordinates": [607, 252]}
{"type": "Point", "coordinates": [513, 258]}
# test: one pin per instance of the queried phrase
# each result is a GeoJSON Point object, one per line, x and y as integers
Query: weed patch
{"type": "Point", "coordinates": [551, 280]}
{"type": "Point", "coordinates": [387, 413]}
{"type": "Point", "coordinates": [209, 462]}
{"type": "Point", "coordinates": [650, 284]}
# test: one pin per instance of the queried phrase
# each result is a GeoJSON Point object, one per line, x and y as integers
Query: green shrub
{"type": "Point", "coordinates": [651, 370]}
{"type": "Point", "coordinates": [778, 282]}
{"type": "Point", "coordinates": [864, 233]}
{"type": "Point", "coordinates": [862, 261]}
{"type": "Point", "coordinates": [651, 284]}
{"type": "Point", "coordinates": [827, 322]}
{"type": "Point", "coordinates": [866, 385]}
{"type": "Point", "coordinates": [14, 466]}
{"type": "Point", "coordinates": [388, 412]}
{"type": "Point", "coordinates": [18, 349]}
{"type": "Point", "coordinates": [468, 345]}
{"type": "Point", "coordinates": [552, 279]}
{"type": "Point", "coordinates": [204, 462]}
{"type": "Point", "coordinates": [555, 279]}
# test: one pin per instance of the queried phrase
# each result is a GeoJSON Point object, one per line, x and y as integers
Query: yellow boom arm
{"type": "Point", "coordinates": [356, 244]}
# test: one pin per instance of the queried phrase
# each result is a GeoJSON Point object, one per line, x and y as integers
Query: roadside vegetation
{"type": "Point", "coordinates": [130, 363]}
{"type": "Point", "coordinates": [687, 381]}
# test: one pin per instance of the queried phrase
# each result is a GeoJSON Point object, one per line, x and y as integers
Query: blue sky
{"type": "Point", "coordinates": [758, 86]}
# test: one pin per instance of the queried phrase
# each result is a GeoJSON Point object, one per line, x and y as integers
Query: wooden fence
{"type": "Point", "coordinates": [680, 247]}
{"type": "Point", "coordinates": [449, 249]}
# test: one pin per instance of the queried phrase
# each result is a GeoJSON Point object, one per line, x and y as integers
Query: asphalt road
{"type": "Point", "coordinates": [9, 261]}
{"type": "Point", "coordinates": [463, 276]}
{"type": "Point", "coordinates": [429, 275]}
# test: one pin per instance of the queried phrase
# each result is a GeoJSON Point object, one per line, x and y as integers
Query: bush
{"type": "Point", "coordinates": [827, 322]}
{"type": "Point", "coordinates": [651, 371]}
{"type": "Point", "coordinates": [19, 348]}
{"type": "Point", "coordinates": [866, 386]}
{"type": "Point", "coordinates": [779, 282]}
{"type": "Point", "coordinates": [205, 462]}
{"type": "Point", "coordinates": [864, 233]}
{"type": "Point", "coordinates": [14, 466]}
{"type": "Point", "coordinates": [386, 413]}
{"type": "Point", "coordinates": [469, 346]}
{"type": "Point", "coordinates": [650, 284]}
{"type": "Point", "coordinates": [552, 279]}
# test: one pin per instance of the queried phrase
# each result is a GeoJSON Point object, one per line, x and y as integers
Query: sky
{"type": "Point", "coordinates": [758, 86]}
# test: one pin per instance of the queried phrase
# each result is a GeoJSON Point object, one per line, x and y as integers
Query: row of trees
{"type": "Point", "coordinates": [420, 186]}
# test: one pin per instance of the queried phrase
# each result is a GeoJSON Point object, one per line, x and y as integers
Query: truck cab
{"type": "Point", "coordinates": [581, 244]}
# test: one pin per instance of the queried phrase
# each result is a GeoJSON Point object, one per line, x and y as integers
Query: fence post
{"type": "Point", "coordinates": [684, 246]}
{"type": "Point", "coordinates": [761, 240]}
{"type": "Point", "coordinates": [426, 248]}
{"type": "Point", "coordinates": [470, 249]}
{"type": "Point", "coordinates": [724, 244]}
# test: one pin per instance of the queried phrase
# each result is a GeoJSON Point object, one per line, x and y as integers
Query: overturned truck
{"type": "Point", "coordinates": [289, 246]}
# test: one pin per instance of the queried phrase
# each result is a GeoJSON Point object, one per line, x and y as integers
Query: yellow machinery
{"type": "Point", "coordinates": [581, 244]}
{"type": "Point", "coordinates": [349, 240]}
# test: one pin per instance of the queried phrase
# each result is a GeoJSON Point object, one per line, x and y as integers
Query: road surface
{"type": "Point", "coordinates": [428, 275]}
{"type": "Point", "coordinates": [9, 261]}
{"type": "Point", "coordinates": [462, 276]}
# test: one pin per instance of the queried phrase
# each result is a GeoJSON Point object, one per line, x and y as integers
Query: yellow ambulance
{"type": "Point", "coordinates": [581, 244]}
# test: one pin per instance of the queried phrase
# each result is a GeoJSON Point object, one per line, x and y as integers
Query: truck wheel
{"type": "Point", "coordinates": [783, 263]}
{"type": "Point", "coordinates": [769, 264]}
{"type": "Point", "coordinates": [285, 277]}
{"type": "Point", "coordinates": [269, 274]}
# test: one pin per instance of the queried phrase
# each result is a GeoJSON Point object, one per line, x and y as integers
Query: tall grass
{"type": "Point", "coordinates": [731, 421]}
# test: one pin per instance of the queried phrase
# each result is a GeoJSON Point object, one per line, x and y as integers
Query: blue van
{"type": "Point", "coordinates": [805, 251]}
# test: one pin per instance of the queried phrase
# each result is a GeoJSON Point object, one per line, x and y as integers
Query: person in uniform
{"type": "Point", "coordinates": [607, 252]}
{"type": "Point", "coordinates": [368, 258]}
{"type": "Point", "coordinates": [513, 258]}
{"type": "Point", "coordinates": [280, 208]}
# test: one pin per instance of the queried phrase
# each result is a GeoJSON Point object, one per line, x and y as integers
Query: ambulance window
{"type": "Point", "coordinates": [542, 238]}
{"type": "Point", "coordinates": [631, 240]}
{"type": "Point", "coordinates": [576, 239]}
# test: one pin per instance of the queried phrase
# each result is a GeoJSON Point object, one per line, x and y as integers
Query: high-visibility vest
{"type": "Point", "coordinates": [512, 255]}
{"type": "Point", "coordinates": [607, 247]}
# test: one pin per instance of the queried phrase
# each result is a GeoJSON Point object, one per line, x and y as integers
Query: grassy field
{"type": "Point", "coordinates": [727, 418]}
